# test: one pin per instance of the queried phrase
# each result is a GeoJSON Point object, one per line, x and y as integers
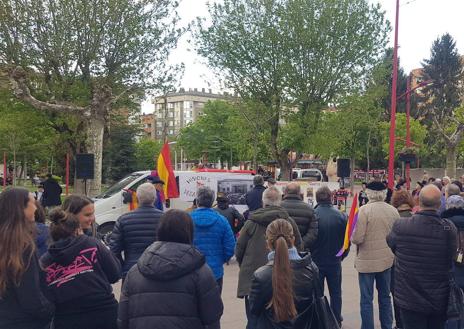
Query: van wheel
{"type": "Point", "coordinates": [104, 232]}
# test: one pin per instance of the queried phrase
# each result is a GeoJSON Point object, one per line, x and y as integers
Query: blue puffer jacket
{"type": "Point", "coordinates": [214, 238]}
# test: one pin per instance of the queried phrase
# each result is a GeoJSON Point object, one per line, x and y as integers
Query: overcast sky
{"type": "Point", "coordinates": [421, 22]}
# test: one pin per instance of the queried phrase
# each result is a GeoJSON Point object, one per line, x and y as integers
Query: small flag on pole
{"type": "Point", "coordinates": [350, 226]}
{"type": "Point", "coordinates": [166, 173]}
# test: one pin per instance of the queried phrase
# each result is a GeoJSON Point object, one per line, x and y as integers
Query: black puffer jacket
{"type": "Point", "coordinates": [456, 215]}
{"type": "Point", "coordinates": [133, 233]}
{"type": "Point", "coordinates": [304, 276]}
{"type": "Point", "coordinates": [424, 246]}
{"type": "Point", "coordinates": [303, 215]}
{"type": "Point", "coordinates": [171, 287]}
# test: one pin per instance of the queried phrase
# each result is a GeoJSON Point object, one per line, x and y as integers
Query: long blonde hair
{"type": "Point", "coordinates": [280, 238]}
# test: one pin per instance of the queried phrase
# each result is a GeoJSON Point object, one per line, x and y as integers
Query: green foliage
{"type": "Point", "coordinates": [223, 133]}
{"type": "Point", "coordinates": [146, 153]}
{"type": "Point", "coordinates": [446, 70]}
{"type": "Point", "coordinates": [119, 150]}
{"type": "Point", "coordinates": [418, 135]}
{"type": "Point", "coordinates": [24, 131]}
{"type": "Point", "coordinates": [293, 55]}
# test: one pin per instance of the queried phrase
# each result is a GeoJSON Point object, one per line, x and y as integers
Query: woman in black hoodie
{"type": "Point", "coordinates": [80, 270]}
{"type": "Point", "coordinates": [22, 304]}
{"type": "Point", "coordinates": [171, 286]}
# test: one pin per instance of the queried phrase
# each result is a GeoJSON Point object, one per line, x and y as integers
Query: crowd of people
{"type": "Point", "coordinates": [171, 263]}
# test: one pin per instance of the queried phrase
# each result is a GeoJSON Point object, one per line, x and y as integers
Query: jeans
{"type": "Point", "coordinates": [396, 308]}
{"type": "Point", "coordinates": [252, 319]}
{"type": "Point", "coordinates": [415, 320]}
{"type": "Point", "coordinates": [333, 275]}
{"type": "Point", "coordinates": [366, 286]}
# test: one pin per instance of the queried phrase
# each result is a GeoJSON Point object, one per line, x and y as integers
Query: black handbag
{"type": "Point", "coordinates": [455, 310]}
{"type": "Point", "coordinates": [324, 317]}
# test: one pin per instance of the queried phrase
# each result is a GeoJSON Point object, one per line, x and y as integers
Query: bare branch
{"type": "Point", "coordinates": [441, 129]}
{"type": "Point", "coordinates": [17, 77]}
{"type": "Point", "coordinates": [118, 97]}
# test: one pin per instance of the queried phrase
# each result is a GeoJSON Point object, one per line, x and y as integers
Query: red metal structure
{"type": "Point", "coordinates": [391, 159]}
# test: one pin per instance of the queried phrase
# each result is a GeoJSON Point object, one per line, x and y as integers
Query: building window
{"type": "Point", "coordinates": [171, 115]}
{"type": "Point", "coordinates": [188, 121]}
{"type": "Point", "coordinates": [188, 105]}
{"type": "Point", "coordinates": [171, 123]}
{"type": "Point", "coordinates": [171, 131]}
{"type": "Point", "coordinates": [170, 105]}
{"type": "Point", "coordinates": [159, 124]}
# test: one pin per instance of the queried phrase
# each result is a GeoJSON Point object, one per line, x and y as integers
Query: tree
{"type": "Point", "coordinates": [146, 153]}
{"type": "Point", "coordinates": [225, 132]}
{"type": "Point", "coordinates": [84, 57]}
{"type": "Point", "coordinates": [118, 154]}
{"type": "Point", "coordinates": [294, 57]}
{"type": "Point", "coordinates": [418, 134]}
{"type": "Point", "coordinates": [444, 96]}
{"type": "Point", "coordinates": [24, 132]}
{"type": "Point", "coordinates": [382, 76]}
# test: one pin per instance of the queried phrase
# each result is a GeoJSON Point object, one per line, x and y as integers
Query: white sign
{"type": "Point", "coordinates": [189, 184]}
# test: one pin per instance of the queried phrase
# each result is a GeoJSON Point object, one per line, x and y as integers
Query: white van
{"type": "Point", "coordinates": [115, 201]}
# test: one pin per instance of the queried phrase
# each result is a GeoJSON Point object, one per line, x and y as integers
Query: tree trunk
{"type": "Point", "coordinates": [451, 161]}
{"type": "Point", "coordinates": [353, 163]}
{"type": "Point", "coordinates": [284, 165]}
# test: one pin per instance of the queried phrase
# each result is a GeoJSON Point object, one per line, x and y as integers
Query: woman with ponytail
{"type": "Point", "coordinates": [79, 273]}
{"type": "Point", "coordinates": [22, 303]}
{"type": "Point", "coordinates": [282, 290]}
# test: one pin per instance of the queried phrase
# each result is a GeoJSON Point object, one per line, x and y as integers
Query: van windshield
{"type": "Point", "coordinates": [119, 186]}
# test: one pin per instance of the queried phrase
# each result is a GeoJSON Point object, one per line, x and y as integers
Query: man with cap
{"type": "Point", "coordinates": [158, 183]}
{"type": "Point", "coordinates": [374, 258]}
{"type": "Point", "coordinates": [233, 216]}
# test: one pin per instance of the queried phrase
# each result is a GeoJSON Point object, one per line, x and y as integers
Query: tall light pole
{"type": "Point", "coordinates": [391, 159]}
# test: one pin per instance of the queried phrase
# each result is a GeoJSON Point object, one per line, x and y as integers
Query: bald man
{"type": "Point", "coordinates": [302, 213]}
{"type": "Point", "coordinates": [424, 246]}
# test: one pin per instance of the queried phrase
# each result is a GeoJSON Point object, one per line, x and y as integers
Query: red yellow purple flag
{"type": "Point", "coordinates": [352, 220]}
{"type": "Point", "coordinates": [166, 174]}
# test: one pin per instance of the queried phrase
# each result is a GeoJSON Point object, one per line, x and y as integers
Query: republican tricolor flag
{"type": "Point", "coordinates": [166, 174]}
{"type": "Point", "coordinates": [352, 220]}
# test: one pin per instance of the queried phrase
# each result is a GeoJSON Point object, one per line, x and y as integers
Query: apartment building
{"type": "Point", "coordinates": [183, 108]}
{"type": "Point", "coordinates": [147, 121]}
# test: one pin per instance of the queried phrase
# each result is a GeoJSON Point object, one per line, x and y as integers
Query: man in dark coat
{"type": "Point", "coordinates": [233, 216]}
{"type": "Point", "coordinates": [251, 249]}
{"type": "Point", "coordinates": [254, 197]}
{"type": "Point", "coordinates": [136, 230]}
{"type": "Point", "coordinates": [331, 234]}
{"type": "Point", "coordinates": [51, 196]}
{"type": "Point", "coordinates": [302, 213]}
{"type": "Point", "coordinates": [424, 246]}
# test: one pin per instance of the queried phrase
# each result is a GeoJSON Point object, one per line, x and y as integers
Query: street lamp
{"type": "Point", "coordinates": [175, 154]}
{"type": "Point", "coordinates": [408, 116]}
